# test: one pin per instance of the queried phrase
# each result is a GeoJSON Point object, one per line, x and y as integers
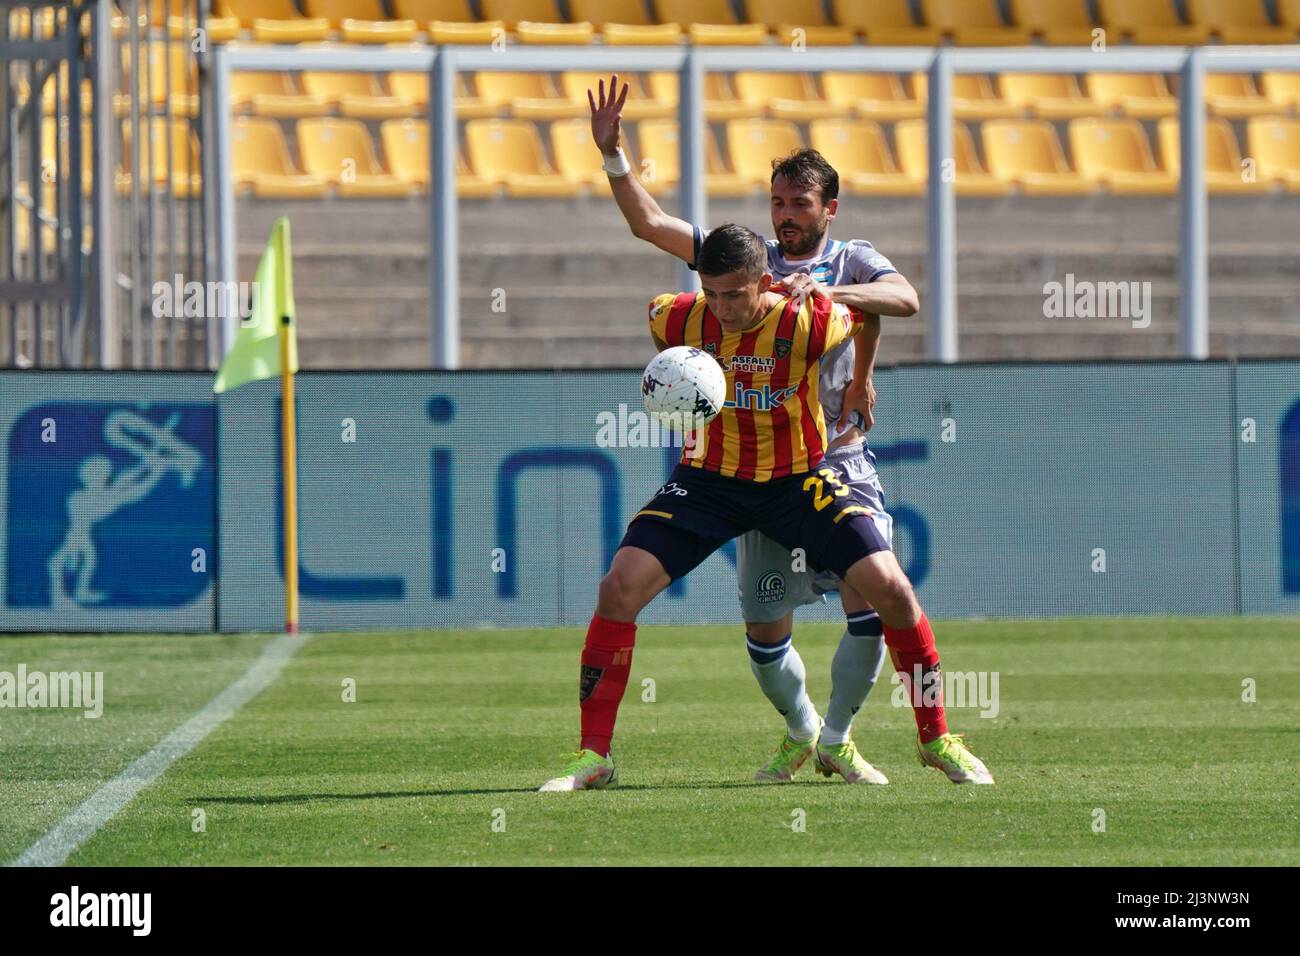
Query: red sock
{"type": "Point", "coordinates": [606, 663]}
{"type": "Point", "coordinates": [913, 651]}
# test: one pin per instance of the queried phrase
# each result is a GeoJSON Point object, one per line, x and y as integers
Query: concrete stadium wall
{"type": "Point", "coordinates": [134, 501]}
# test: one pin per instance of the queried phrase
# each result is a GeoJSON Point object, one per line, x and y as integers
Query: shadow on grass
{"type": "Point", "coordinates": [407, 794]}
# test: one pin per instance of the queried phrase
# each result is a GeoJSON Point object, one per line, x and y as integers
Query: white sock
{"type": "Point", "coordinates": [780, 673]}
{"type": "Point", "coordinates": [853, 673]}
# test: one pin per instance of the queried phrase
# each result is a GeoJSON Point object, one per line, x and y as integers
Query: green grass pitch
{"type": "Point", "coordinates": [437, 759]}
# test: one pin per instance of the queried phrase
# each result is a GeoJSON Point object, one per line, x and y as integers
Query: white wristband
{"type": "Point", "coordinates": [617, 165]}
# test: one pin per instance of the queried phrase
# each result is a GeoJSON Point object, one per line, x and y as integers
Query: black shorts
{"type": "Point", "coordinates": [698, 511]}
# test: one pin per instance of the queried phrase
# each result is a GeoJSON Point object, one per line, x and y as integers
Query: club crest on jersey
{"type": "Point", "coordinates": [783, 347]}
{"type": "Point", "coordinates": [711, 348]}
{"type": "Point", "coordinates": [821, 273]}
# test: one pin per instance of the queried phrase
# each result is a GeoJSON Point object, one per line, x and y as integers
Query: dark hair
{"type": "Point", "coordinates": [732, 248]}
{"type": "Point", "coordinates": [809, 169]}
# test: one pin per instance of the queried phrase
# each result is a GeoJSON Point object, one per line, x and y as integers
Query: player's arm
{"type": "Point", "coordinates": [644, 216]}
{"type": "Point", "coordinates": [888, 295]}
{"type": "Point", "coordinates": [860, 393]}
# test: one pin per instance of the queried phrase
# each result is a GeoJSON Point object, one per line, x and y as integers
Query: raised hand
{"type": "Point", "coordinates": [606, 113]}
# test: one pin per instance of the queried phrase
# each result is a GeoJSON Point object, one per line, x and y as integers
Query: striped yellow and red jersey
{"type": "Point", "coordinates": [771, 425]}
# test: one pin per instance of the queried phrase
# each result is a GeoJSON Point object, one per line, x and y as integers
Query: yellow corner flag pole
{"type": "Point", "coordinates": [266, 346]}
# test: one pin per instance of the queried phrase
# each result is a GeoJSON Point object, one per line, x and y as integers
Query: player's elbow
{"type": "Point", "coordinates": [909, 302]}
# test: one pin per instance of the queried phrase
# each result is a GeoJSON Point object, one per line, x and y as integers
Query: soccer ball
{"type": "Point", "coordinates": [683, 387]}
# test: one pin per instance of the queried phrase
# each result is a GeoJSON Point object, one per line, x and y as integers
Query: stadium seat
{"type": "Point", "coordinates": [413, 88]}
{"type": "Point", "coordinates": [510, 152]}
{"type": "Point", "coordinates": [274, 21]}
{"type": "Point", "coordinates": [689, 12]}
{"type": "Point", "coordinates": [871, 95]}
{"type": "Point", "coordinates": [884, 22]}
{"type": "Point", "coordinates": [185, 178]}
{"type": "Point", "coordinates": [1028, 154]}
{"type": "Point", "coordinates": [720, 102]}
{"type": "Point", "coordinates": [783, 17]}
{"type": "Point", "coordinates": [49, 137]}
{"type": "Point", "coordinates": [742, 34]}
{"type": "Point", "coordinates": [973, 23]}
{"type": "Point", "coordinates": [381, 31]}
{"type": "Point", "coordinates": [513, 11]}
{"type": "Point", "coordinates": [655, 34]}
{"type": "Point", "coordinates": [219, 29]}
{"type": "Point", "coordinates": [1116, 153]}
{"type": "Point", "coordinates": [1049, 95]}
{"type": "Point", "coordinates": [1235, 96]}
{"type": "Point", "coordinates": [336, 11]}
{"type": "Point", "coordinates": [340, 150]}
{"type": "Point", "coordinates": [273, 94]}
{"type": "Point", "coordinates": [181, 93]}
{"type": "Point", "coordinates": [625, 22]}
{"type": "Point", "coordinates": [1288, 14]}
{"type": "Point", "coordinates": [639, 105]}
{"type": "Point", "coordinates": [425, 12]}
{"type": "Point", "coordinates": [529, 95]}
{"type": "Point", "coordinates": [1238, 21]}
{"type": "Point", "coordinates": [555, 34]}
{"type": "Point", "coordinates": [261, 162]}
{"type": "Point", "coordinates": [785, 95]}
{"type": "Point", "coordinates": [1058, 22]}
{"type": "Point", "coordinates": [858, 151]}
{"type": "Point", "coordinates": [1223, 164]}
{"type": "Point", "coordinates": [660, 145]}
{"type": "Point", "coordinates": [910, 138]}
{"type": "Point", "coordinates": [1150, 21]}
{"type": "Point", "coordinates": [406, 148]}
{"type": "Point", "coordinates": [973, 96]}
{"type": "Point", "coordinates": [355, 94]}
{"type": "Point", "coordinates": [484, 32]}
{"type": "Point", "coordinates": [753, 143]}
{"type": "Point", "coordinates": [1140, 95]}
{"type": "Point", "coordinates": [1282, 89]}
{"type": "Point", "coordinates": [1274, 144]}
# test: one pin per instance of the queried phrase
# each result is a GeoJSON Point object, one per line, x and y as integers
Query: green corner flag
{"type": "Point", "coordinates": [257, 348]}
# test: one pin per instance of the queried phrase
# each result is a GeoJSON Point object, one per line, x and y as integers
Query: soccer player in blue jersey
{"type": "Point", "coordinates": [804, 201]}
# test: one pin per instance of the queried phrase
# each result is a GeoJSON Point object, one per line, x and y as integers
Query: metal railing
{"type": "Point", "coordinates": [941, 63]}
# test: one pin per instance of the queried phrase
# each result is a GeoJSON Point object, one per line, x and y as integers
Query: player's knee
{"type": "Point", "coordinates": [896, 602]}
{"type": "Point", "coordinates": [767, 632]}
{"type": "Point", "coordinates": [618, 599]}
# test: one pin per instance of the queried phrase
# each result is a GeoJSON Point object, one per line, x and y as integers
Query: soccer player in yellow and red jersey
{"type": "Point", "coordinates": [756, 467]}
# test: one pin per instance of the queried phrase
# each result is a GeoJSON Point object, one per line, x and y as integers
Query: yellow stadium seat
{"type": "Point", "coordinates": [577, 159]}
{"type": "Point", "coordinates": [1028, 154]}
{"type": "Point", "coordinates": [660, 146]}
{"type": "Point", "coordinates": [785, 95]}
{"type": "Point", "coordinates": [1140, 95]}
{"type": "Point", "coordinates": [601, 13]}
{"type": "Point", "coordinates": [513, 11]}
{"type": "Point", "coordinates": [1234, 95]}
{"type": "Point", "coordinates": [355, 94]}
{"type": "Point", "coordinates": [717, 12]}
{"type": "Point", "coordinates": [302, 30]}
{"type": "Point", "coordinates": [49, 137]}
{"type": "Point", "coordinates": [1058, 22]}
{"type": "Point", "coordinates": [720, 101]}
{"type": "Point", "coordinates": [1274, 144]}
{"type": "Point", "coordinates": [185, 178]}
{"type": "Point", "coordinates": [639, 104]}
{"type": "Point", "coordinates": [655, 34]}
{"type": "Point", "coordinates": [973, 23]}
{"type": "Point", "coordinates": [219, 29]}
{"type": "Point", "coordinates": [1238, 21]}
{"type": "Point", "coordinates": [180, 88]}
{"type": "Point", "coordinates": [510, 152]}
{"type": "Point", "coordinates": [406, 147]}
{"type": "Point", "coordinates": [784, 17]}
{"type": "Point", "coordinates": [336, 11]}
{"type": "Point", "coordinates": [858, 151]}
{"type": "Point", "coordinates": [529, 95]}
{"type": "Point", "coordinates": [380, 31]}
{"type": "Point", "coordinates": [1115, 152]}
{"type": "Point", "coordinates": [552, 34]}
{"type": "Point", "coordinates": [871, 95]}
{"type": "Point", "coordinates": [753, 144]}
{"type": "Point", "coordinates": [973, 96]}
{"type": "Point", "coordinates": [1224, 173]}
{"type": "Point", "coordinates": [261, 162]}
{"type": "Point", "coordinates": [413, 88]}
{"type": "Point", "coordinates": [273, 94]}
{"type": "Point", "coordinates": [1150, 21]}
{"type": "Point", "coordinates": [246, 11]}
{"type": "Point", "coordinates": [483, 32]}
{"type": "Point", "coordinates": [1049, 95]}
{"type": "Point", "coordinates": [1288, 14]}
{"type": "Point", "coordinates": [426, 11]}
{"type": "Point", "coordinates": [340, 150]}
{"type": "Point", "coordinates": [742, 34]}
{"type": "Point", "coordinates": [910, 138]}
{"type": "Point", "coordinates": [1283, 89]}
{"type": "Point", "coordinates": [884, 22]}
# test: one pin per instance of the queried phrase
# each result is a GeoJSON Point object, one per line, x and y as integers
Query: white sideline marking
{"type": "Point", "coordinates": [81, 824]}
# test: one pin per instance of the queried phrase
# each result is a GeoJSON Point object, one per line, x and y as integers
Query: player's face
{"type": "Point", "coordinates": [799, 217]}
{"type": "Point", "coordinates": [735, 298]}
